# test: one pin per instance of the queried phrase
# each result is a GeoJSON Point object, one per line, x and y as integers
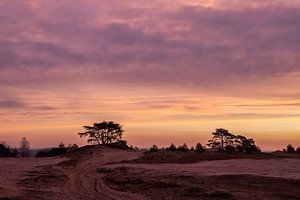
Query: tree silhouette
{"type": "Point", "coordinates": [4, 150]}
{"type": "Point", "coordinates": [298, 150]}
{"type": "Point", "coordinates": [153, 149]}
{"type": "Point", "coordinates": [290, 149]}
{"type": "Point", "coordinates": [24, 150]}
{"type": "Point", "coordinates": [199, 148]}
{"type": "Point", "coordinates": [103, 132]}
{"type": "Point", "coordinates": [223, 141]}
{"type": "Point", "coordinates": [172, 147]}
{"type": "Point", "coordinates": [183, 148]}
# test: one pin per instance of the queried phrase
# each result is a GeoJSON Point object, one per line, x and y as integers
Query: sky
{"type": "Point", "coordinates": [167, 70]}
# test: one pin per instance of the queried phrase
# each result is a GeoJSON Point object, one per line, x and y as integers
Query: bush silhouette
{"type": "Point", "coordinates": [153, 149]}
{"type": "Point", "coordinates": [290, 149]}
{"type": "Point", "coordinates": [5, 151]}
{"type": "Point", "coordinates": [199, 148]}
{"type": "Point", "coordinates": [230, 149]}
{"type": "Point", "coordinates": [183, 148]}
{"type": "Point", "coordinates": [298, 150]}
{"type": "Point", "coordinates": [56, 151]}
{"type": "Point", "coordinates": [121, 144]}
{"type": "Point", "coordinates": [172, 147]}
{"type": "Point", "coordinates": [24, 149]}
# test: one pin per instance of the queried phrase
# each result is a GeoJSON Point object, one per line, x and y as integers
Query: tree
{"type": "Point", "coordinates": [221, 139]}
{"type": "Point", "coordinates": [154, 148]}
{"type": "Point", "coordinates": [61, 145]}
{"type": "Point", "coordinates": [224, 141]}
{"type": "Point", "coordinates": [290, 149]}
{"type": "Point", "coordinates": [72, 147]}
{"type": "Point", "coordinates": [56, 151]}
{"type": "Point", "coordinates": [199, 148]}
{"type": "Point", "coordinates": [183, 148]}
{"type": "Point", "coordinates": [103, 132]}
{"type": "Point", "coordinates": [24, 149]}
{"type": "Point", "coordinates": [5, 150]}
{"type": "Point", "coordinates": [172, 147]}
{"type": "Point", "coordinates": [298, 150]}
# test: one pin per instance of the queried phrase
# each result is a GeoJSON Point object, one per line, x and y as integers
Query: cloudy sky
{"type": "Point", "coordinates": [168, 70]}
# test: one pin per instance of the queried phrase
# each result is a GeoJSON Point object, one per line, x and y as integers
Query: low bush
{"type": "Point", "coordinates": [290, 149]}
{"type": "Point", "coordinates": [199, 148]}
{"type": "Point", "coordinates": [153, 149]}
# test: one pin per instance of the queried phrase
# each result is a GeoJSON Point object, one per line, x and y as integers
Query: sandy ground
{"type": "Point", "coordinates": [282, 168]}
{"type": "Point", "coordinates": [14, 169]}
{"type": "Point", "coordinates": [100, 175]}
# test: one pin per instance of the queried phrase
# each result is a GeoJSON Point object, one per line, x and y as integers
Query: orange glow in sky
{"type": "Point", "coordinates": [168, 71]}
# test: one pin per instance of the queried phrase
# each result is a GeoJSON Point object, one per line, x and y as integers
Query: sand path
{"type": "Point", "coordinates": [85, 183]}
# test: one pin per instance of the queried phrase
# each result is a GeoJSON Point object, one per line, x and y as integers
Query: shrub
{"type": "Point", "coordinates": [56, 151]}
{"type": "Point", "coordinates": [229, 149]}
{"type": "Point", "coordinates": [199, 148]}
{"type": "Point", "coordinates": [24, 149]}
{"type": "Point", "coordinates": [72, 147]}
{"type": "Point", "coordinates": [5, 151]}
{"type": "Point", "coordinates": [290, 149]}
{"type": "Point", "coordinates": [172, 147]}
{"type": "Point", "coordinates": [183, 148]}
{"type": "Point", "coordinates": [298, 150]}
{"type": "Point", "coordinates": [153, 149]}
{"type": "Point", "coordinates": [121, 144]}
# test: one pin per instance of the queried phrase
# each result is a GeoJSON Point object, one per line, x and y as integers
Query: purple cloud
{"type": "Point", "coordinates": [190, 45]}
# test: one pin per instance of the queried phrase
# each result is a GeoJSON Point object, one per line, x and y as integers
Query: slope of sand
{"type": "Point", "coordinates": [279, 167]}
{"type": "Point", "coordinates": [14, 169]}
{"type": "Point", "coordinates": [101, 173]}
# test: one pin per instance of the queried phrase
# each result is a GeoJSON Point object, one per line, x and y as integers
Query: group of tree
{"type": "Point", "coordinates": [22, 151]}
{"type": "Point", "coordinates": [291, 149]}
{"type": "Point", "coordinates": [6, 151]}
{"type": "Point", "coordinates": [224, 141]}
{"type": "Point", "coordinates": [181, 148]}
{"type": "Point", "coordinates": [56, 151]}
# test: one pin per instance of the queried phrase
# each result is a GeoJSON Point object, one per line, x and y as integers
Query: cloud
{"type": "Point", "coordinates": [19, 105]}
{"type": "Point", "coordinates": [12, 104]}
{"type": "Point", "coordinates": [149, 44]}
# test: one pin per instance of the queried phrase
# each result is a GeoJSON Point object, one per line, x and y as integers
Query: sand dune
{"type": "Point", "coordinates": [103, 174]}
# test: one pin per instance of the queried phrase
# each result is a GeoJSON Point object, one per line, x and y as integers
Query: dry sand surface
{"type": "Point", "coordinates": [110, 174]}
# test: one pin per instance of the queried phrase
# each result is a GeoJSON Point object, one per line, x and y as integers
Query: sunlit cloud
{"type": "Point", "coordinates": [173, 65]}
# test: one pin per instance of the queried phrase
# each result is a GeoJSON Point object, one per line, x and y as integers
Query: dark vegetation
{"type": "Point", "coordinates": [103, 132]}
{"type": "Point", "coordinates": [56, 151]}
{"type": "Point", "coordinates": [121, 144]}
{"type": "Point", "coordinates": [24, 149]}
{"type": "Point", "coordinates": [6, 151]}
{"type": "Point", "coordinates": [223, 145]}
{"type": "Point", "coordinates": [222, 141]}
{"type": "Point", "coordinates": [290, 149]}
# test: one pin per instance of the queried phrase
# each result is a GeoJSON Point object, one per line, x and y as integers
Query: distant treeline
{"type": "Point", "coordinates": [110, 134]}
{"type": "Point", "coordinates": [222, 141]}
{"type": "Point", "coordinates": [56, 151]}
